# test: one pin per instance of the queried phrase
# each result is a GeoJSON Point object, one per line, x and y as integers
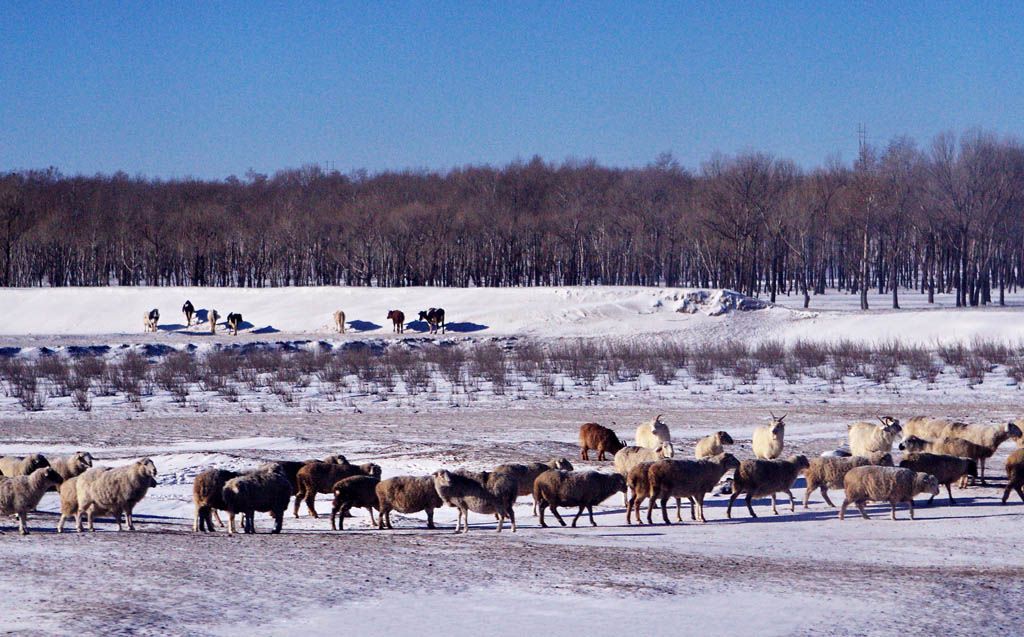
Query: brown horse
{"type": "Point", "coordinates": [398, 319]}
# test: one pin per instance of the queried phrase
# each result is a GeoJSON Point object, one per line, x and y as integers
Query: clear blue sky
{"type": "Point", "coordinates": [211, 89]}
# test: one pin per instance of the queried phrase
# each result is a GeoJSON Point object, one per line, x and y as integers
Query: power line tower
{"type": "Point", "coordinates": [862, 139]}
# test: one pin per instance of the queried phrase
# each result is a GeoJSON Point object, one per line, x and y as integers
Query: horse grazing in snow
{"type": "Point", "coordinates": [434, 317]}
{"type": "Point", "coordinates": [397, 317]}
{"type": "Point", "coordinates": [339, 321]}
{"type": "Point", "coordinates": [234, 320]}
{"type": "Point", "coordinates": [189, 310]}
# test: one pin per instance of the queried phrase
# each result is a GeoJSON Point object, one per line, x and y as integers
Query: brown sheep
{"type": "Point", "coordinates": [601, 439]}
{"type": "Point", "coordinates": [407, 494]}
{"type": "Point", "coordinates": [207, 494]}
{"type": "Point", "coordinates": [692, 479]}
{"type": "Point", "coordinates": [946, 469]}
{"type": "Point", "coordinates": [582, 489]}
{"type": "Point", "coordinates": [758, 478]}
{"type": "Point", "coordinates": [1014, 475]}
{"type": "Point", "coordinates": [827, 472]}
{"type": "Point", "coordinates": [320, 477]}
{"type": "Point", "coordinates": [354, 491]}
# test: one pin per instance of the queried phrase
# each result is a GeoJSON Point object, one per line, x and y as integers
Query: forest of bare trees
{"type": "Point", "coordinates": [942, 219]}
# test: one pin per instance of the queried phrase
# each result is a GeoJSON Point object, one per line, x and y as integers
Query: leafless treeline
{"type": "Point", "coordinates": [942, 219]}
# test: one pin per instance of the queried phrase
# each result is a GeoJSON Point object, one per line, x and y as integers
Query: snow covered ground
{"type": "Point", "coordinates": [955, 570]}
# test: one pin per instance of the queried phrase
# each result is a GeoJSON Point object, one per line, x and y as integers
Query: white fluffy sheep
{"type": "Point", "coordinates": [885, 484]}
{"type": "Point", "coordinates": [769, 439]}
{"type": "Point", "coordinates": [712, 445]}
{"type": "Point", "coordinates": [266, 489]}
{"type": "Point", "coordinates": [989, 436]}
{"type": "Point", "coordinates": [73, 465]}
{"type": "Point", "coordinates": [759, 478]}
{"type": "Point", "coordinates": [21, 494]}
{"type": "Point", "coordinates": [866, 438]}
{"type": "Point", "coordinates": [652, 433]}
{"type": "Point", "coordinates": [114, 491]}
{"type": "Point", "coordinates": [827, 472]}
{"type": "Point", "coordinates": [407, 494]}
{"type": "Point", "coordinates": [583, 489]}
{"type": "Point", "coordinates": [11, 466]}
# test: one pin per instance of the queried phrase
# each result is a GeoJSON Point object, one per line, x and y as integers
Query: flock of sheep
{"type": "Point", "coordinates": [938, 452]}
{"type": "Point", "coordinates": [433, 317]}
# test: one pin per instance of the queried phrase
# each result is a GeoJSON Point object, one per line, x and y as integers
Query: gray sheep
{"type": "Point", "coordinates": [946, 469]}
{"type": "Point", "coordinates": [526, 473]}
{"type": "Point", "coordinates": [885, 484]}
{"type": "Point", "coordinates": [73, 465]}
{"type": "Point", "coordinates": [827, 472]}
{"type": "Point", "coordinates": [758, 478]}
{"type": "Point", "coordinates": [581, 489]}
{"type": "Point", "coordinates": [987, 436]}
{"type": "Point", "coordinates": [114, 491]}
{"type": "Point", "coordinates": [949, 446]}
{"type": "Point", "coordinates": [21, 494]}
{"type": "Point", "coordinates": [407, 494]}
{"type": "Point", "coordinates": [320, 477]}
{"type": "Point", "coordinates": [208, 496]}
{"type": "Point", "coordinates": [472, 494]}
{"type": "Point", "coordinates": [11, 466]}
{"type": "Point", "coordinates": [354, 491]}
{"type": "Point", "coordinates": [266, 489]}
{"type": "Point", "coordinates": [686, 479]}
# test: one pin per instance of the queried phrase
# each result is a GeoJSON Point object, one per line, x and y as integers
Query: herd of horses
{"type": "Point", "coordinates": [433, 317]}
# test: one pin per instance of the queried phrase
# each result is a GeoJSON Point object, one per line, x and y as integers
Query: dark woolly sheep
{"type": "Point", "coordinates": [601, 439]}
{"type": "Point", "coordinates": [946, 469]}
{"type": "Point", "coordinates": [207, 494]}
{"type": "Point", "coordinates": [407, 494]}
{"type": "Point", "coordinates": [291, 468]}
{"type": "Point", "coordinates": [1014, 475]}
{"type": "Point", "coordinates": [11, 466]}
{"type": "Point", "coordinates": [581, 489]}
{"type": "Point", "coordinates": [827, 472]}
{"type": "Point", "coordinates": [320, 477]}
{"type": "Point", "coordinates": [988, 436]}
{"type": "Point", "coordinates": [758, 478]}
{"type": "Point", "coordinates": [526, 474]}
{"type": "Point", "coordinates": [266, 489]}
{"type": "Point", "coordinates": [691, 479]}
{"type": "Point", "coordinates": [354, 491]}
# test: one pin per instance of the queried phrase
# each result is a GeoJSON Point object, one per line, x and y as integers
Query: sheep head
{"type": "Point", "coordinates": [562, 464]}
{"type": "Point", "coordinates": [37, 461]}
{"type": "Point", "coordinates": [49, 475]}
{"type": "Point", "coordinates": [728, 461]}
{"type": "Point", "coordinates": [926, 483]}
{"type": "Point", "coordinates": [83, 458]}
{"type": "Point", "coordinates": [723, 438]}
{"type": "Point", "coordinates": [147, 467]}
{"type": "Point", "coordinates": [800, 461]}
{"type": "Point", "coordinates": [665, 449]}
{"type": "Point", "coordinates": [1013, 431]}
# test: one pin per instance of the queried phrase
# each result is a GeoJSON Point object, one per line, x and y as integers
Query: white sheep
{"type": "Point", "coordinates": [885, 484]}
{"type": "Point", "coordinates": [73, 465]}
{"type": "Point", "coordinates": [11, 466]}
{"type": "Point", "coordinates": [712, 445]}
{"type": "Point", "coordinates": [21, 494]}
{"type": "Point", "coordinates": [114, 491]}
{"type": "Point", "coordinates": [866, 438]}
{"type": "Point", "coordinates": [769, 439]}
{"type": "Point", "coordinates": [652, 433]}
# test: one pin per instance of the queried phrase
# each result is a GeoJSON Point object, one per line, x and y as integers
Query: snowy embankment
{"type": "Point", "coordinates": [104, 314]}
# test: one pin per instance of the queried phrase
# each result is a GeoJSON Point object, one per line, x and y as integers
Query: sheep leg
{"type": "Point", "coordinates": [543, 505]}
{"type": "Point", "coordinates": [92, 512]}
{"type": "Point", "coordinates": [78, 520]}
{"type": "Point", "coordinates": [700, 507]}
{"type": "Point", "coordinates": [22, 518]}
{"type": "Point", "coordinates": [982, 472]}
{"type": "Point", "coordinates": [863, 513]}
{"type": "Point", "coordinates": [751, 509]}
{"type": "Point", "coordinates": [774, 510]}
{"type": "Point", "coordinates": [629, 508]}
{"type": "Point", "coordinates": [213, 511]}
{"type": "Point", "coordinates": [732, 498]}
{"type": "Point", "coordinates": [693, 515]}
{"type": "Point", "coordinates": [910, 505]}
{"type": "Point", "coordinates": [664, 509]}
{"type": "Point", "coordinates": [63, 517]}
{"type": "Point", "coordinates": [196, 524]}
{"type": "Point", "coordinates": [1006, 495]}
{"type": "Point", "coordinates": [824, 494]}
{"type": "Point", "coordinates": [430, 519]}
{"type": "Point", "coordinates": [590, 512]}
{"type": "Point", "coordinates": [310, 501]}
{"type": "Point", "coordinates": [129, 519]}
{"type": "Point", "coordinates": [811, 486]}
{"type": "Point", "coordinates": [948, 491]}
{"type": "Point", "coordinates": [583, 453]}
{"type": "Point", "coordinates": [558, 517]}
{"type": "Point", "coordinates": [278, 520]}
{"type": "Point", "coordinates": [792, 507]}
{"type": "Point", "coordinates": [842, 510]}
{"type": "Point", "coordinates": [512, 518]}
{"type": "Point", "coordinates": [1020, 493]}
{"type": "Point", "coordinates": [298, 501]}
{"type": "Point", "coordinates": [370, 509]}
{"type": "Point", "coordinates": [231, 523]}
{"type": "Point", "coordinates": [578, 514]}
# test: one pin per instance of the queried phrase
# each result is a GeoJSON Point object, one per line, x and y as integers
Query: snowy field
{"type": "Point", "coordinates": [955, 570]}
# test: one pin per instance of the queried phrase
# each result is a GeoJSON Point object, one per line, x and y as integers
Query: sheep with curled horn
{"type": "Point", "coordinates": [769, 439]}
